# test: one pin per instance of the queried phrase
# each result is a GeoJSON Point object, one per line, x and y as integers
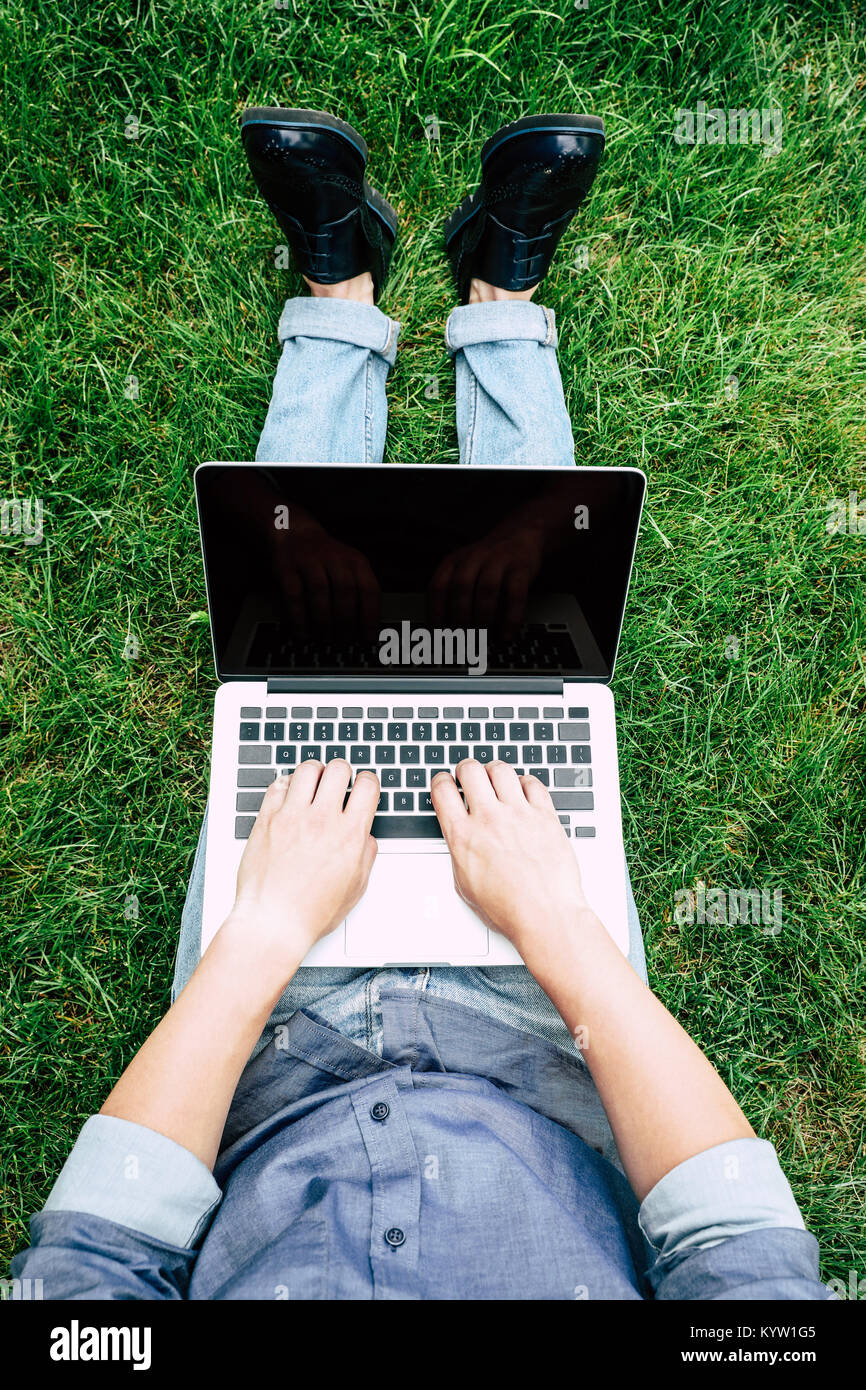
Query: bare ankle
{"type": "Point", "coordinates": [359, 288]}
{"type": "Point", "coordinates": [482, 293]}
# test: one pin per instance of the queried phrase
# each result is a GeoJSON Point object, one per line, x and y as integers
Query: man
{"type": "Point", "coordinates": [546, 1131]}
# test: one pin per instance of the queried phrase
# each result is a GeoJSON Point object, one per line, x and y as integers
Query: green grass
{"type": "Point", "coordinates": [154, 257]}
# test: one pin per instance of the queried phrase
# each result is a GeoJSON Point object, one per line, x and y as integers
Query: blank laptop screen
{"type": "Point", "coordinates": [416, 570]}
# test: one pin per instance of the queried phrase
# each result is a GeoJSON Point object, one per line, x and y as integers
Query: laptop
{"type": "Point", "coordinates": [405, 618]}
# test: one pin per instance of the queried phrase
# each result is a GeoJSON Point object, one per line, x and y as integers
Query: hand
{"type": "Point", "coordinates": [307, 861]}
{"type": "Point", "coordinates": [512, 862]}
{"type": "Point", "coordinates": [327, 586]}
{"type": "Point", "coordinates": [489, 581]}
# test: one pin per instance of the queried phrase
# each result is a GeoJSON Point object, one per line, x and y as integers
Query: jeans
{"type": "Point", "coordinates": [328, 406]}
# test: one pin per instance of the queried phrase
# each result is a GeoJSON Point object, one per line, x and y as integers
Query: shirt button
{"type": "Point", "coordinates": [380, 1111]}
{"type": "Point", "coordinates": [394, 1236]}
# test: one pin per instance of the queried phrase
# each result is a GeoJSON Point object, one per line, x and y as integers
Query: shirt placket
{"type": "Point", "coordinates": [395, 1178]}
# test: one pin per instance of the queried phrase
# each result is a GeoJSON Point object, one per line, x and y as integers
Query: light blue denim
{"type": "Point", "coordinates": [329, 406]}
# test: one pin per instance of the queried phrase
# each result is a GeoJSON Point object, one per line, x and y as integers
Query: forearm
{"type": "Point", "coordinates": [664, 1100]}
{"type": "Point", "coordinates": [182, 1080]}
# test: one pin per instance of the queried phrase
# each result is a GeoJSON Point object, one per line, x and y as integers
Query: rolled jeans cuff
{"type": "Point", "coordinates": [499, 321]}
{"type": "Point", "coordinates": [343, 321]}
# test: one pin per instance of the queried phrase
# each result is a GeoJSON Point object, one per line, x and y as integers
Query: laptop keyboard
{"type": "Point", "coordinates": [405, 746]}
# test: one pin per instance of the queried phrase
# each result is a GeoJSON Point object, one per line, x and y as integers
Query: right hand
{"type": "Point", "coordinates": [512, 862]}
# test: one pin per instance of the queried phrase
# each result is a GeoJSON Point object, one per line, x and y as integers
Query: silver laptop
{"type": "Point", "coordinates": [405, 618]}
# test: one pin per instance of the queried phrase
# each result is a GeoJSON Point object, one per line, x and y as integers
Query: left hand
{"type": "Point", "coordinates": [307, 861]}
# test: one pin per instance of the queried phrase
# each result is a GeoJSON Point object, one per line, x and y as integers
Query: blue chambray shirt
{"type": "Point", "coordinates": [447, 1168]}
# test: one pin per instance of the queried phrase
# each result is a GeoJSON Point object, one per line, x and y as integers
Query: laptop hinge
{"type": "Point", "coordinates": [419, 685]}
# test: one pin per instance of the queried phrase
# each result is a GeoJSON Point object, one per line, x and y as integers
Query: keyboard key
{"type": "Point", "coordinates": [556, 753]}
{"type": "Point", "coordinates": [542, 774]}
{"type": "Point", "coordinates": [446, 732]}
{"type": "Point", "coordinates": [302, 711]}
{"type": "Point", "coordinates": [274, 732]}
{"type": "Point", "coordinates": [250, 733]}
{"type": "Point", "coordinates": [360, 755]}
{"type": "Point", "coordinates": [353, 712]}
{"type": "Point", "coordinates": [508, 753]}
{"type": "Point", "coordinates": [391, 777]}
{"type": "Point", "coordinates": [519, 731]}
{"type": "Point", "coordinates": [565, 820]}
{"type": "Point", "coordinates": [542, 731]}
{"type": "Point", "coordinates": [276, 712]}
{"type": "Point", "coordinates": [416, 777]}
{"type": "Point", "coordinates": [253, 753]}
{"type": "Point", "coordinates": [377, 712]}
{"type": "Point", "coordinates": [326, 712]}
{"type": "Point", "coordinates": [503, 712]}
{"type": "Point", "coordinates": [410, 753]}
{"type": "Point", "coordinates": [457, 752]}
{"type": "Point", "coordinates": [479, 712]}
{"type": "Point", "coordinates": [527, 712]}
{"type": "Point", "coordinates": [484, 753]}
{"type": "Point", "coordinates": [255, 776]}
{"type": "Point", "coordinates": [310, 753]}
{"type": "Point", "coordinates": [425, 801]}
{"type": "Point", "coordinates": [404, 801]}
{"type": "Point", "coordinates": [428, 712]}
{"type": "Point", "coordinates": [584, 832]}
{"type": "Point", "coordinates": [385, 753]}
{"type": "Point", "coordinates": [495, 732]}
{"type": "Point", "coordinates": [372, 733]}
{"type": "Point", "coordinates": [398, 733]}
{"type": "Point", "coordinates": [568, 831]}
{"type": "Point", "coordinates": [347, 732]}
{"type": "Point", "coordinates": [298, 732]}
{"type": "Point", "coordinates": [407, 828]}
{"type": "Point", "coordinates": [404, 712]}
{"type": "Point", "coordinates": [578, 712]}
{"type": "Point", "coordinates": [286, 753]}
{"type": "Point", "coordinates": [532, 753]}
{"type": "Point", "coordinates": [335, 750]}
{"type": "Point", "coordinates": [249, 801]}
{"type": "Point", "coordinates": [452, 712]}
{"type": "Point", "coordinates": [574, 733]}
{"type": "Point", "coordinates": [580, 753]}
{"type": "Point", "coordinates": [434, 755]}
{"type": "Point", "coordinates": [553, 713]}
{"type": "Point", "coordinates": [423, 732]}
{"type": "Point", "coordinates": [244, 826]}
{"type": "Point", "coordinates": [572, 777]}
{"type": "Point", "coordinates": [471, 732]}
{"type": "Point", "coordinates": [572, 801]}
{"type": "Point", "coordinates": [383, 802]}
{"type": "Point", "coordinates": [322, 731]}
{"type": "Point", "coordinates": [251, 712]}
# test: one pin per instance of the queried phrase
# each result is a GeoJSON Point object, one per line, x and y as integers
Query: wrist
{"type": "Point", "coordinates": [573, 940]}
{"type": "Point", "coordinates": [261, 959]}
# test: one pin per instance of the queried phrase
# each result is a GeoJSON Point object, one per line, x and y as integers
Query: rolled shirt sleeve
{"type": "Point", "coordinates": [131, 1175]}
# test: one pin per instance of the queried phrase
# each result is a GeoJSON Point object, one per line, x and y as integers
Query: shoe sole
{"type": "Point", "coordinates": [554, 125]}
{"type": "Point", "coordinates": [301, 119]}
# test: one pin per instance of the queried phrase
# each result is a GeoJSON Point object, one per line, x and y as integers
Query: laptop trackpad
{"type": "Point", "coordinates": [411, 913]}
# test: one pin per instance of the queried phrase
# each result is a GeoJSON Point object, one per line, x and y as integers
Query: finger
{"type": "Point", "coordinates": [447, 803]}
{"type": "Point", "coordinates": [536, 793]}
{"type": "Point", "coordinates": [461, 593]}
{"type": "Point", "coordinates": [318, 593]}
{"type": "Point", "coordinates": [476, 784]}
{"type": "Point", "coordinates": [505, 783]}
{"type": "Point", "coordinates": [363, 798]}
{"type": "Point", "coordinates": [343, 593]}
{"type": "Point", "coordinates": [303, 783]}
{"type": "Point", "coordinates": [516, 594]}
{"type": "Point", "coordinates": [488, 590]}
{"type": "Point", "coordinates": [438, 589]}
{"type": "Point", "coordinates": [293, 593]}
{"type": "Point", "coordinates": [273, 800]}
{"type": "Point", "coordinates": [333, 782]}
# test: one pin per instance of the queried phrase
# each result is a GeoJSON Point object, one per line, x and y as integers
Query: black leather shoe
{"type": "Point", "coordinates": [310, 169]}
{"type": "Point", "coordinates": [535, 174]}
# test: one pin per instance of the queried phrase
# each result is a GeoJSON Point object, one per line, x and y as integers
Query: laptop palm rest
{"type": "Point", "coordinates": [435, 928]}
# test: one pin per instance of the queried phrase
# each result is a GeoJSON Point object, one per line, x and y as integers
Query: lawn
{"type": "Point", "coordinates": [711, 299]}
